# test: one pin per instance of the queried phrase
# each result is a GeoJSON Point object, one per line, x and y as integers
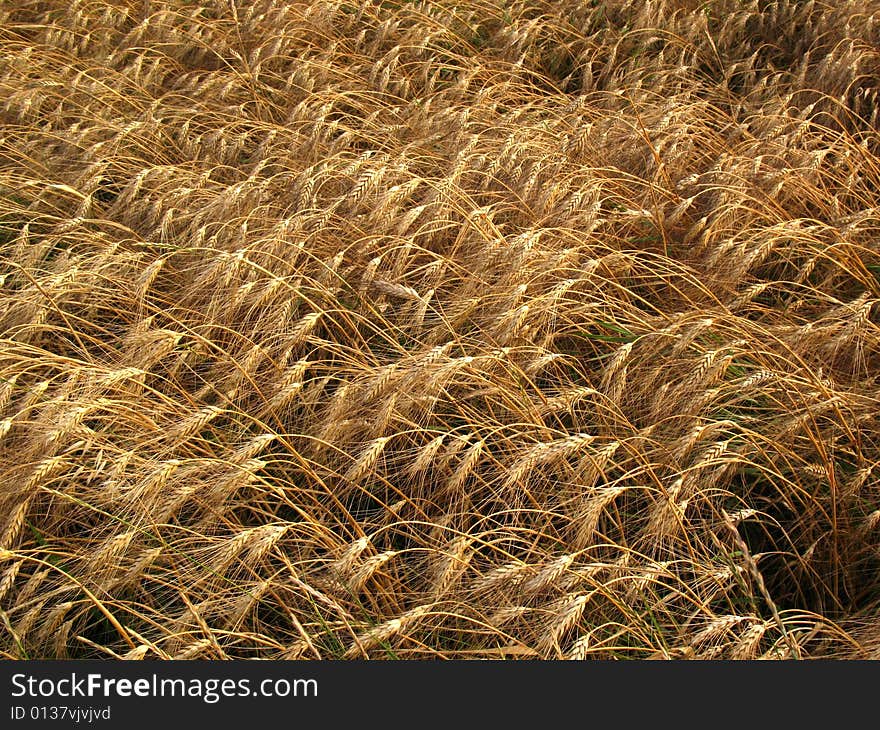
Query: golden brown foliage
{"type": "Point", "coordinates": [439, 329]}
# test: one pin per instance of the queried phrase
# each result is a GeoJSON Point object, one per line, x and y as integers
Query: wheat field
{"type": "Point", "coordinates": [422, 330]}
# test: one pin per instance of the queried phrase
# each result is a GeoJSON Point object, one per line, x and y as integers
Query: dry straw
{"type": "Point", "coordinates": [419, 329]}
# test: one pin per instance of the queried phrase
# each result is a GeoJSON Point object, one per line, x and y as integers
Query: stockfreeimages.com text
{"type": "Point", "coordinates": [209, 690]}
